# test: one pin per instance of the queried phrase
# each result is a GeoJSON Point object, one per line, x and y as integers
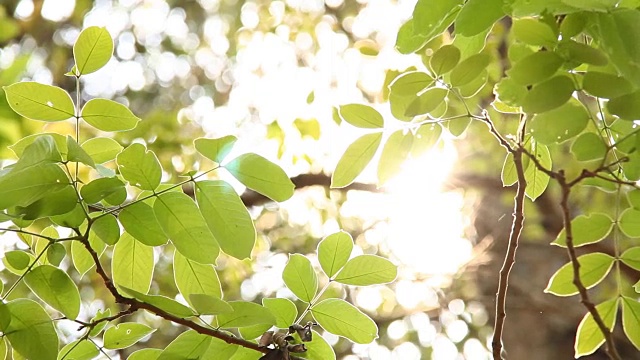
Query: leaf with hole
{"type": "Point", "coordinates": [39, 102]}
{"type": "Point", "coordinates": [593, 269]}
{"type": "Point", "coordinates": [124, 335]}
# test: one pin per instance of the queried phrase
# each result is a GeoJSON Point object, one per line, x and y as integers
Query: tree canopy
{"type": "Point", "coordinates": [322, 180]}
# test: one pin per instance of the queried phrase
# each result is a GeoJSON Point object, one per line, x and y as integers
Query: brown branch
{"type": "Point", "coordinates": [610, 348]}
{"type": "Point", "coordinates": [510, 257]}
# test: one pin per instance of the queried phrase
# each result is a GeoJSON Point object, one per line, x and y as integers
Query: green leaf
{"type": "Point", "coordinates": [592, 5]}
{"type": "Point", "coordinates": [478, 15]}
{"type": "Point", "coordinates": [537, 180]}
{"type": "Point", "coordinates": [125, 334]}
{"type": "Point", "coordinates": [145, 354]}
{"type": "Point", "coordinates": [17, 261]}
{"type": "Point", "coordinates": [227, 217]}
{"type": "Point", "coordinates": [132, 264]}
{"type": "Point", "coordinates": [470, 68]}
{"type": "Point", "coordinates": [100, 314]}
{"type": "Point", "coordinates": [261, 175]}
{"type": "Point", "coordinates": [426, 102]}
{"type": "Point", "coordinates": [102, 149]}
{"type": "Point", "coordinates": [394, 153]}
{"type": "Point", "coordinates": [284, 310]}
{"type": "Point", "coordinates": [582, 53]}
{"type": "Point", "coordinates": [471, 89]}
{"type": "Point", "coordinates": [164, 303]}
{"type": "Point", "coordinates": [209, 304]}
{"type": "Point", "coordinates": [54, 203]}
{"type": "Point", "coordinates": [215, 149]}
{"type": "Point", "coordinates": [107, 229]}
{"type": "Point", "coordinates": [108, 115]}
{"type": "Point", "coordinates": [194, 278]}
{"type": "Point", "coordinates": [355, 159]}
{"type": "Point", "coordinates": [78, 350]}
{"type": "Point", "coordinates": [245, 314]}
{"type": "Point", "coordinates": [573, 24]}
{"type": "Point", "coordinates": [341, 318]}
{"type": "Point", "coordinates": [634, 198]}
{"type": "Point", "coordinates": [55, 254]}
{"type": "Point", "coordinates": [605, 85]}
{"type": "Point", "coordinates": [444, 59]}
{"type": "Point", "coordinates": [140, 221]}
{"type": "Point", "coordinates": [182, 222]}
{"type": "Point", "coordinates": [631, 320]}
{"type": "Point", "coordinates": [626, 106]}
{"type": "Point", "coordinates": [431, 18]}
{"type": "Point", "coordinates": [56, 288]}
{"type": "Point", "coordinates": [30, 332]}
{"type": "Point", "coordinates": [559, 124]}
{"type": "Point", "coordinates": [308, 128]}
{"type": "Point", "coordinates": [588, 336]}
{"type": "Point", "coordinates": [60, 141]}
{"type": "Point", "coordinates": [220, 349]}
{"type": "Point", "coordinates": [366, 270]}
{"type": "Point", "coordinates": [39, 102]}
{"type": "Point", "coordinates": [509, 174]}
{"type": "Point", "coordinates": [535, 68]}
{"type": "Point", "coordinates": [631, 257]}
{"type": "Point", "coordinates": [300, 277]}
{"type": "Point", "coordinates": [334, 252]}
{"type": "Point", "coordinates": [588, 146]}
{"type": "Point", "coordinates": [187, 346]}
{"type": "Point", "coordinates": [615, 33]}
{"type": "Point", "coordinates": [425, 138]}
{"type": "Point", "coordinates": [593, 268]}
{"type": "Point", "coordinates": [548, 95]}
{"type": "Point", "coordinates": [82, 260]}
{"type": "Point", "coordinates": [77, 154]}
{"type": "Point", "coordinates": [534, 32]}
{"type": "Point", "coordinates": [586, 229]}
{"type": "Point", "coordinates": [629, 222]}
{"type": "Point", "coordinates": [92, 50]}
{"type": "Point", "coordinates": [140, 167]}
{"type": "Point", "coordinates": [510, 92]}
{"type": "Point", "coordinates": [411, 83]}
{"type": "Point", "coordinates": [362, 116]}
{"type": "Point", "coordinates": [317, 349]}
{"type": "Point", "coordinates": [101, 188]}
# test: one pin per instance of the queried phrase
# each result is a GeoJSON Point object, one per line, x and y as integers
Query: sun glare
{"type": "Point", "coordinates": [426, 223]}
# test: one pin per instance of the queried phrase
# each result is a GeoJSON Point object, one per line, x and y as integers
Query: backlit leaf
{"type": "Point", "coordinates": [188, 345]}
{"type": "Point", "coordinates": [425, 138]}
{"type": "Point", "coordinates": [61, 143]}
{"type": "Point", "coordinates": [537, 180]}
{"type": "Point", "coordinates": [366, 270]}
{"type": "Point", "coordinates": [54, 287]}
{"type": "Point", "coordinates": [78, 350]}
{"type": "Point", "coordinates": [478, 15]}
{"type": "Point", "coordinates": [39, 102]}
{"type": "Point", "coordinates": [431, 18]}
{"type": "Point", "coordinates": [410, 83]}
{"type": "Point", "coordinates": [107, 229]}
{"type": "Point", "coordinates": [362, 116]}
{"type": "Point", "coordinates": [626, 106]}
{"type": "Point", "coordinates": [284, 310]}
{"type": "Point", "coordinates": [334, 251]}
{"type": "Point", "coordinates": [82, 259]}
{"type": "Point", "coordinates": [261, 175]}
{"type": "Point", "coordinates": [605, 85]}
{"type": "Point", "coordinates": [535, 68]}
{"type": "Point", "coordinates": [92, 50]}
{"type": "Point", "coordinates": [108, 115]}
{"type": "Point", "coordinates": [341, 318]}
{"type": "Point", "coordinates": [470, 68]}
{"type": "Point", "coordinates": [355, 159]}
{"type": "Point", "coordinates": [615, 32]}
{"type": "Point", "coordinates": [30, 332]}
{"type": "Point", "coordinates": [101, 188]}
{"type": "Point", "coordinates": [426, 102]}
{"type": "Point", "coordinates": [588, 146]}
{"type": "Point", "coordinates": [534, 32]}
{"type": "Point", "coordinates": [586, 229]}
{"type": "Point", "coordinates": [582, 53]}
{"type": "Point", "coordinates": [629, 222]}
{"type": "Point", "coordinates": [589, 337]}
{"type": "Point", "coordinates": [125, 334]}
{"type": "Point", "coordinates": [631, 320]}
{"type": "Point", "coordinates": [140, 167]}
{"type": "Point", "coordinates": [246, 314]}
{"type": "Point", "coordinates": [132, 264]}
{"type": "Point", "coordinates": [140, 221]}
{"type": "Point", "coordinates": [300, 277]}
{"type": "Point", "coordinates": [444, 60]}
{"type": "Point", "coordinates": [209, 304]}
{"type": "Point", "coordinates": [394, 153]}
{"type": "Point", "coordinates": [215, 149]}
{"type": "Point", "coordinates": [548, 95]}
{"type": "Point", "coordinates": [182, 222]}
{"type": "Point", "coordinates": [102, 149]}
{"type": "Point", "coordinates": [631, 257]}
{"type": "Point", "coordinates": [195, 278]}
{"type": "Point", "coordinates": [593, 268]}
{"type": "Point", "coordinates": [227, 217]}
{"type": "Point", "coordinates": [164, 303]}
{"type": "Point", "coordinates": [559, 124]}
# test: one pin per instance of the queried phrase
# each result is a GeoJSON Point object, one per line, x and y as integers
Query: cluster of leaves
{"type": "Point", "coordinates": [109, 202]}
{"type": "Point", "coordinates": [569, 72]}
